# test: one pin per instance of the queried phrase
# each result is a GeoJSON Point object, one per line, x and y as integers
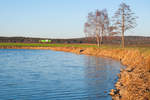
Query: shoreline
{"type": "Point", "coordinates": [134, 80]}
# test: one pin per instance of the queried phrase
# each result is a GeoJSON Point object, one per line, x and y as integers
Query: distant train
{"type": "Point", "coordinates": [45, 41]}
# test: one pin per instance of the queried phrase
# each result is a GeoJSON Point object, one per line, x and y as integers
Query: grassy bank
{"type": "Point", "coordinates": [143, 49]}
{"type": "Point", "coordinates": [45, 45]}
{"type": "Point", "coordinates": [73, 45]}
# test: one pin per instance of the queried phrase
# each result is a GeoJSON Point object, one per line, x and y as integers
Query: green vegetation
{"type": "Point", "coordinates": [45, 45]}
{"type": "Point", "coordinates": [141, 48]}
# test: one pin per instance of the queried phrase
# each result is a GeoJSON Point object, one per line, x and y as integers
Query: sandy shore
{"type": "Point", "coordinates": [134, 81]}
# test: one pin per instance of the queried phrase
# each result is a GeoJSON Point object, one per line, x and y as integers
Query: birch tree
{"type": "Point", "coordinates": [124, 19]}
{"type": "Point", "coordinates": [97, 25]}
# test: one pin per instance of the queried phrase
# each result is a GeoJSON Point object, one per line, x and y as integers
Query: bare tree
{"type": "Point", "coordinates": [124, 20]}
{"type": "Point", "coordinates": [97, 25]}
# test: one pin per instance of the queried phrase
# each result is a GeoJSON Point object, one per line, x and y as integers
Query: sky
{"type": "Point", "coordinates": [63, 18]}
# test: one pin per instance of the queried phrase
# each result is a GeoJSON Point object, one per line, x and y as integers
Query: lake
{"type": "Point", "coordinates": [54, 75]}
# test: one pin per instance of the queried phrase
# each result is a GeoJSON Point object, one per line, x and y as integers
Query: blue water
{"type": "Point", "coordinates": [51, 75]}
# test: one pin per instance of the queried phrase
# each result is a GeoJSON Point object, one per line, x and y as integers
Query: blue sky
{"type": "Point", "coordinates": [62, 18]}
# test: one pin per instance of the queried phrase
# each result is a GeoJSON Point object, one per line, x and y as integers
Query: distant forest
{"type": "Point", "coordinates": [129, 40]}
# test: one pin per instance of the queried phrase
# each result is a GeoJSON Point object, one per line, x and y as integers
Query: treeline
{"type": "Point", "coordinates": [37, 40]}
{"type": "Point", "coordinates": [129, 40]}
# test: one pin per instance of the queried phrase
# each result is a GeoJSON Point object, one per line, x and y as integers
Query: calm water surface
{"type": "Point", "coordinates": [51, 75]}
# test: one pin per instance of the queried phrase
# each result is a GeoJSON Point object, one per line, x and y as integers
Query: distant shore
{"type": "Point", "coordinates": [134, 81]}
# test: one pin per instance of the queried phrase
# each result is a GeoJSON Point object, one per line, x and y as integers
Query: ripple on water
{"type": "Point", "coordinates": [51, 75]}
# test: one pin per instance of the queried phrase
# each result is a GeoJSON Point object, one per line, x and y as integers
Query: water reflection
{"type": "Point", "coordinates": [99, 76]}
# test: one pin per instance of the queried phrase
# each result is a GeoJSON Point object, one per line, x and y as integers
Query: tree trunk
{"type": "Point", "coordinates": [123, 39]}
{"type": "Point", "coordinates": [101, 40]}
{"type": "Point", "coordinates": [98, 40]}
{"type": "Point", "coordinates": [102, 35]}
{"type": "Point", "coordinates": [123, 29]}
{"type": "Point", "coordinates": [97, 35]}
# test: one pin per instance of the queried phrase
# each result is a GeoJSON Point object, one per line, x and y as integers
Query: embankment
{"type": "Point", "coordinates": [134, 81]}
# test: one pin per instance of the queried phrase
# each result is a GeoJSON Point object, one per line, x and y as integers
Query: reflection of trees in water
{"type": "Point", "coordinates": [96, 66]}
{"type": "Point", "coordinates": [97, 75]}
